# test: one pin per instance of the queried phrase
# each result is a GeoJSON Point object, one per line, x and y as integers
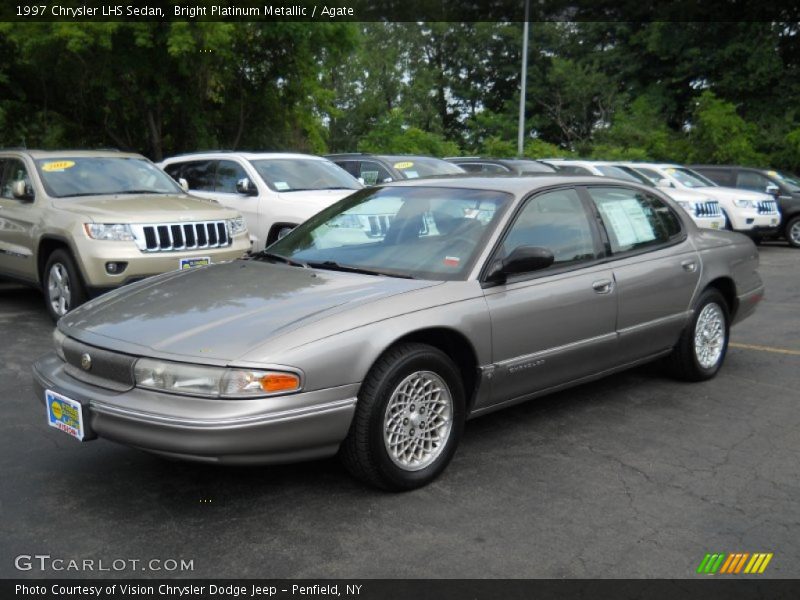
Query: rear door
{"type": "Point", "coordinates": [655, 268]}
{"type": "Point", "coordinates": [556, 325]}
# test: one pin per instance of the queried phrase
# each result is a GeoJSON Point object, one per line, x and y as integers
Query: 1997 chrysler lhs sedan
{"type": "Point", "coordinates": [380, 325]}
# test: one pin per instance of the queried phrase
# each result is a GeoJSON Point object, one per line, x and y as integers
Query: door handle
{"type": "Point", "coordinates": [603, 286]}
{"type": "Point", "coordinates": [689, 266]}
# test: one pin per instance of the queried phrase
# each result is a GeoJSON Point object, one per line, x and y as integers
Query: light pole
{"type": "Point", "coordinates": [523, 82]}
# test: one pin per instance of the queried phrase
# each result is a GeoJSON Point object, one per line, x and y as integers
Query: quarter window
{"type": "Point", "coordinates": [634, 219]}
{"type": "Point", "coordinates": [557, 221]}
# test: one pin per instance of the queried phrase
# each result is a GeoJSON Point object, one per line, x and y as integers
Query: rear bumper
{"type": "Point", "coordinates": [746, 304]}
{"type": "Point", "coordinates": [262, 431]}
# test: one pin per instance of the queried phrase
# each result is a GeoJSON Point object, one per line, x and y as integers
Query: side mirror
{"type": "Point", "coordinates": [773, 190]}
{"type": "Point", "coordinates": [22, 190]}
{"type": "Point", "coordinates": [246, 187]}
{"type": "Point", "coordinates": [184, 184]}
{"type": "Point", "coordinates": [387, 180]}
{"type": "Point", "coordinates": [523, 259]}
{"type": "Point", "coordinates": [663, 183]}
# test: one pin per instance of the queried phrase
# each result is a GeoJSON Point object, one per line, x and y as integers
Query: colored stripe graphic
{"type": "Point", "coordinates": [730, 564]}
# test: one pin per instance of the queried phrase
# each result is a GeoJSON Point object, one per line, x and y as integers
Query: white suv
{"type": "Point", "coordinates": [274, 192]}
{"type": "Point", "coordinates": [704, 210]}
{"type": "Point", "coordinates": [752, 213]}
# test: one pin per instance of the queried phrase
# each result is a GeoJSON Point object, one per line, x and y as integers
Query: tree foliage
{"type": "Point", "coordinates": [669, 90]}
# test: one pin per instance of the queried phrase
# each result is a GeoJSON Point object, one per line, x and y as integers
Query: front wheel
{"type": "Point", "coordinates": [701, 349]}
{"type": "Point", "coordinates": [62, 285]}
{"type": "Point", "coordinates": [793, 232]}
{"type": "Point", "coordinates": [408, 421]}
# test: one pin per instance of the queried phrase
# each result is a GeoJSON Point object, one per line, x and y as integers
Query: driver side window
{"type": "Point", "coordinates": [557, 221]}
{"type": "Point", "coordinates": [11, 170]}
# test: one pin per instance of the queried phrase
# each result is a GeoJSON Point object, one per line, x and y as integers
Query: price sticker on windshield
{"type": "Point", "coordinates": [58, 166]}
{"type": "Point", "coordinates": [403, 165]}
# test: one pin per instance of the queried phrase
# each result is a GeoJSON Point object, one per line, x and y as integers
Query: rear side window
{"type": "Point", "coordinates": [199, 174]}
{"type": "Point", "coordinates": [633, 219]}
{"type": "Point", "coordinates": [557, 221]}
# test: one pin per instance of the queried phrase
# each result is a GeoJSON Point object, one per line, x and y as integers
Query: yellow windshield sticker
{"type": "Point", "coordinates": [403, 165]}
{"type": "Point", "coordinates": [772, 173]}
{"type": "Point", "coordinates": [58, 165]}
{"type": "Point", "coordinates": [670, 170]}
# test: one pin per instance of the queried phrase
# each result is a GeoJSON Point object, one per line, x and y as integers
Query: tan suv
{"type": "Point", "coordinates": [78, 223]}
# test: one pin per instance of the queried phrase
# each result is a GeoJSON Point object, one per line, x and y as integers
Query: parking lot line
{"type": "Point", "coordinates": [765, 348]}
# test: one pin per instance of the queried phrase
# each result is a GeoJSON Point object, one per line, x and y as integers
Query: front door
{"type": "Point", "coordinates": [557, 325]}
{"type": "Point", "coordinates": [17, 220]}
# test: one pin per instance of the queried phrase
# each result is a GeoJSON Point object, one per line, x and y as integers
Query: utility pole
{"type": "Point", "coordinates": [523, 82]}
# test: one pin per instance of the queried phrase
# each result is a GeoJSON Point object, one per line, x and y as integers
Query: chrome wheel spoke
{"type": "Point", "coordinates": [418, 420]}
{"type": "Point", "coordinates": [709, 335]}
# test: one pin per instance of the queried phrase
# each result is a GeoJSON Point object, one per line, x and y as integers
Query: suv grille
{"type": "Point", "coordinates": [767, 207]}
{"type": "Point", "coordinates": [168, 237]}
{"type": "Point", "coordinates": [707, 209]}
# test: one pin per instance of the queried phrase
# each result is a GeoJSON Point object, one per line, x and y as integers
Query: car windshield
{"type": "Point", "coordinates": [413, 167]}
{"type": "Point", "coordinates": [73, 176]}
{"type": "Point", "coordinates": [634, 175]}
{"type": "Point", "coordinates": [301, 174]}
{"type": "Point", "coordinates": [420, 232]}
{"type": "Point", "coordinates": [789, 179]}
{"type": "Point", "coordinates": [610, 171]}
{"type": "Point", "coordinates": [531, 166]}
{"type": "Point", "coordinates": [689, 178]}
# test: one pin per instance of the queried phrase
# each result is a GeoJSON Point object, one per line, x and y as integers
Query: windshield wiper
{"type": "Point", "coordinates": [280, 258]}
{"type": "Point", "coordinates": [334, 266]}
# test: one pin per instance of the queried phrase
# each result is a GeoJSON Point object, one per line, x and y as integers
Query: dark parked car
{"type": "Point", "coordinates": [784, 186]}
{"type": "Point", "coordinates": [482, 292]}
{"type": "Point", "coordinates": [500, 166]}
{"type": "Point", "coordinates": [373, 169]}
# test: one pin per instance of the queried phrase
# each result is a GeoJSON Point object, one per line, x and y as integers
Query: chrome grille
{"type": "Point", "coordinates": [171, 237]}
{"type": "Point", "coordinates": [707, 209]}
{"type": "Point", "coordinates": [767, 207]}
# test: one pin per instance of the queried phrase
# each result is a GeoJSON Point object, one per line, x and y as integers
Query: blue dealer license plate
{"type": "Point", "coordinates": [64, 414]}
{"type": "Point", "coordinates": [190, 263]}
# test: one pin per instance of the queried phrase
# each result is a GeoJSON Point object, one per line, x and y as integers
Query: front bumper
{"type": "Point", "coordinates": [751, 221]}
{"type": "Point", "coordinates": [93, 256]}
{"type": "Point", "coordinates": [261, 431]}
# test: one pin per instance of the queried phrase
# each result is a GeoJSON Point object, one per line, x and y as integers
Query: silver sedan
{"type": "Point", "coordinates": [378, 327]}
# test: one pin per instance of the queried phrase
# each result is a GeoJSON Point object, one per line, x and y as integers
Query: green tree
{"type": "Point", "coordinates": [720, 135]}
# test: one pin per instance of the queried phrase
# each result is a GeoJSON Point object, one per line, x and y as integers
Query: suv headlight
{"type": "Point", "coordinates": [212, 382]}
{"type": "Point", "coordinates": [236, 226]}
{"type": "Point", "coordinates": [58, 341]}
{"type": "Point", "coordinates": [744, 203]}
{"type": "Point", "coordinates": [116, 232]}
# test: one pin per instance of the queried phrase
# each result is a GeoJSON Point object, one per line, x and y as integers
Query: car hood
{"type": "Point", "coordinates": [221, 312]}
{"type": "Point", "coordinates": [687, 195]}
{"type": "Point", "coordinates": [726, 193]}
{"type": "Point", "coordinates": [144, 208]}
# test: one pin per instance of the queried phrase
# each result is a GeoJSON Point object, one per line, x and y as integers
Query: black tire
{"type": "Point", "coordinates": [364, 452]}
{"type": "Point", "coordinates": [277, 231]}
{"type": "Point", "coordinates": [793, 239]}
{"type": "Point", "coordinates": [728, 222]}
{"type": "Point", "coordinates": [684, 362]}
{"type": "Point", "coordinates": [61, 261]}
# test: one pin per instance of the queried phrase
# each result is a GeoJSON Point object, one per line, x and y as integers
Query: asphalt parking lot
{"type": "Point", "coordinates": [633, 476]}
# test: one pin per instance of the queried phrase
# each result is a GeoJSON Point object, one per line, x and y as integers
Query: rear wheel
{"type": "Point", "coordinates": [792, 232]}
{"type": "Point", "coordinates": [408, 421]}
{"type": "Point", "coordinates": [701, 349]}
{"type": "Point", "coordinates": [62, 285]}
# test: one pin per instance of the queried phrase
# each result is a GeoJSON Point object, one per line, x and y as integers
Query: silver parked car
{"type": "Point", "coordinates": [378, 344]}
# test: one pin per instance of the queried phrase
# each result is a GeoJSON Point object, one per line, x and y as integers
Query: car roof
{"type": "Point", "coordinates": [221, 154]}
{"type": "Point", "coordinates": [44, 154]}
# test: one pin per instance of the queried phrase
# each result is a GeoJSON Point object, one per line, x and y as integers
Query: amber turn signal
{"type": "Point", "coordinates": [280, 382]}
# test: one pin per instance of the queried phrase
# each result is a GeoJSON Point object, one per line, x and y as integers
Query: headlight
{"type": "Point", "coordinates": [236, 226]}
{"type": "Point", "coordinates": [744, 203]}
{"type": "Point", "coordinates": [58, 340]}
{"type": "Point", "coordinates": [212, 382]}
{"type": "Point", "coordinates": [116, 232]}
